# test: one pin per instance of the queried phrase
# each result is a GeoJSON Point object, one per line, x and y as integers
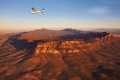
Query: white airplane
{"type": "Point", "coordinates": [35, 12]}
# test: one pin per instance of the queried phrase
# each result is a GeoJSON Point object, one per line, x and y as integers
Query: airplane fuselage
{"type": "Point", "coordinates": [35, 12]}
{"type": "Point", "coordinates": [32, 12]}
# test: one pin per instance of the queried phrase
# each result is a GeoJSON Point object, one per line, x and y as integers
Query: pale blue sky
{"type": "Point", "coordinates": [59, 14]}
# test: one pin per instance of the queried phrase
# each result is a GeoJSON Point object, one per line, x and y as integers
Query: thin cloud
{"type": "Point", "coordinates": [99, 10]}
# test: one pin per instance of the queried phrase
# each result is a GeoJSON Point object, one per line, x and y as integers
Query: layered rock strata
{"type": "Point", "coordinates": [70, 46]}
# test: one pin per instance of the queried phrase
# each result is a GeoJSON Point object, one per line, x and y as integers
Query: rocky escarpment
{"type": "Point", "coordinates": [96, 58]}
{"type": "Point", "coordinates": [71, 46]}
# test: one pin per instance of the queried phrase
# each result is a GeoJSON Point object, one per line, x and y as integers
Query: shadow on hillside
{"type": "Point", "coordinates": [100, 69]}
{"type": "Point", "coordinates": [83, 36]}
{"type": "Point", "coordinates": [22, 45]}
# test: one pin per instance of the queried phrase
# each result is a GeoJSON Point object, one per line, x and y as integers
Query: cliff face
{"type": "Point", "coordinates": [71, 46]}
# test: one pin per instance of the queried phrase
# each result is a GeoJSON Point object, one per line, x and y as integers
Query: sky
{"type": "Point", "coordinates": [59, 14]}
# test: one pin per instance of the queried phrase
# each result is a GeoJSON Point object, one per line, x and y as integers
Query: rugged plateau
{"type": "Point", "coordinates": [67, 54]}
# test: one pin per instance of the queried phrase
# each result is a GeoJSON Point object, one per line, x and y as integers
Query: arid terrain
{"type": "Point", "coordinates": [67, 54]}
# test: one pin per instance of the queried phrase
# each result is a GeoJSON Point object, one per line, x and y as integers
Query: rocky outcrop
{"type": "Point", "coordinates": [70, 46]}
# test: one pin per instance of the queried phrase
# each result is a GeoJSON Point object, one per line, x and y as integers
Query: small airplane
{"type": "Point", "coordinates": [34, 11]}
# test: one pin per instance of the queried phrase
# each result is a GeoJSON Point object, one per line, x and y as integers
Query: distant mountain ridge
{"type": "Point", "coordinates": [45, 34]}
{"type": "Point", "coordinates": [114, 31]}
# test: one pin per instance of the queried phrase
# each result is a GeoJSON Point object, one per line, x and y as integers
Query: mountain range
{"type": "Point", "coordinates": [67, 54]}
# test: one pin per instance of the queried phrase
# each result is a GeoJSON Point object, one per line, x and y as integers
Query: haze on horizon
{"type": "Point", "coordinates": [59, 14]}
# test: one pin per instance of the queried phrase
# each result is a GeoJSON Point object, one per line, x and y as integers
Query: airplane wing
{"type": "Point", "coordinates": [33, 9]}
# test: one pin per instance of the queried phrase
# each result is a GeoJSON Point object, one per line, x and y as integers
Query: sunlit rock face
{"type": "Point", "coordinates": [69, 46]}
